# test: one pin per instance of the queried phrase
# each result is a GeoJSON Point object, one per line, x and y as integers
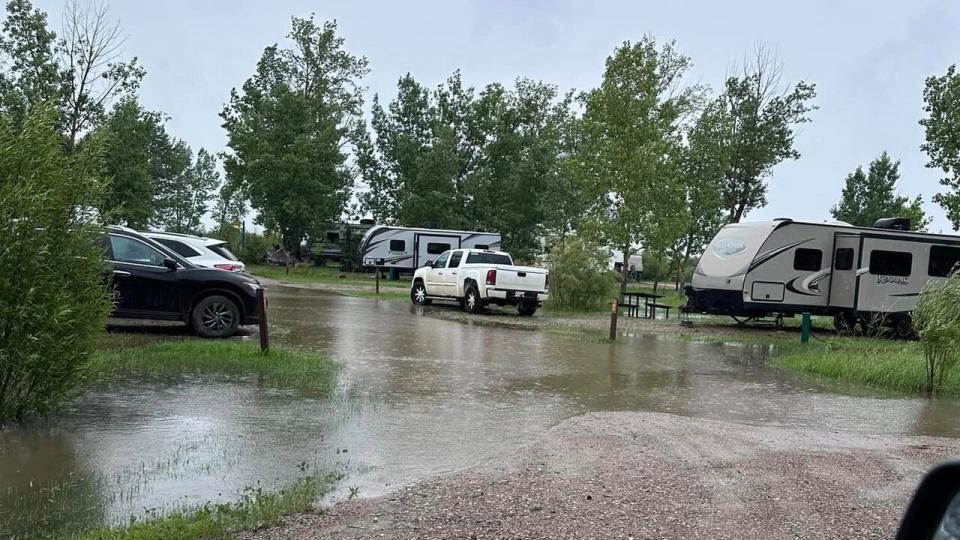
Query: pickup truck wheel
{"type": "Point", "coordinates": [471, 300]}
{"type": "Point", "coordinates": [418, 295]}
{"type": "Point", "coordinates": [215, 317]}
{"type": "Point", "coordinates": [527, 309]}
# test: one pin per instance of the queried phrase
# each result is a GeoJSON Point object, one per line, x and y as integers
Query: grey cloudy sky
{"type": "Point", "coordinates": [868, 60]}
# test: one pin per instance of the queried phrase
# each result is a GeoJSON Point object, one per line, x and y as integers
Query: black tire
{"type": "Point", "coordinates": [418, 295]}
{"type": "Point", "coordinates": [903, 328]}
{"type": "Point", "coordinates": [526, 309]}
{"type": "Point", "coordinates": [215, 317]}
{"type": "Point", "coordinates": [845, 322]}
{"type": "Point", "coordinates": [471, 302]}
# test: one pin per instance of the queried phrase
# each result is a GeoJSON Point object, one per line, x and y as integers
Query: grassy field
{"type": "Point", "coordinates": [280, 367]}
{"type": "Point", "coordinates": [322, 274]}
{"type": "Point", "coordinates": [878, 363]}
{"type": "Point", "coordinates": [255, 509]}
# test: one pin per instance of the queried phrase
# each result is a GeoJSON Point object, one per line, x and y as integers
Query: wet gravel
{"type": "Point", "coordinates": [651, 475]}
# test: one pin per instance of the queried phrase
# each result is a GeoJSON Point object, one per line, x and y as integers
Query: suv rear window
{"type": "Point", "coordinates": [178, 247]}
{"type": "Point", "coordinates": [221, 250]}
{"type": "Point", "coordinates": [477, 257]}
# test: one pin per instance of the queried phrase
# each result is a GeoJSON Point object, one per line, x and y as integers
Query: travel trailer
{"type": "Point", "coordinates": [786, 267]}
{"type": "Point", "coordinates": [409, 248]}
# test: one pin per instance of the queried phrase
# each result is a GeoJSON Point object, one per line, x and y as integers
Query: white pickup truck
{"type": "Point", "coordinates": [476, 278]}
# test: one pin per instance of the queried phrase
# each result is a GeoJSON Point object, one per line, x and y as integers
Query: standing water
{"type": "Point", "coordinates": [417, 396]}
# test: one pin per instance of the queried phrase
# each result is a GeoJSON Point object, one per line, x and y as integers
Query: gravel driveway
{"type": "Point", "coordinates": [649, 475]}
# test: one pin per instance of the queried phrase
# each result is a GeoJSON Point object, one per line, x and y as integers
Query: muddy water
{"type": "Point", "coordinates": [417, 396]}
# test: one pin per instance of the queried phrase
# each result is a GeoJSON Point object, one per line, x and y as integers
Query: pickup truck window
{"type": "Point", "coordinates": [488, 258]}
{"type": "Point", "coordinates": [441, 261]}
{"type": "Point", "coordinates": [455, 259]}
{"type": "Point", "coordinates": [434, 248]}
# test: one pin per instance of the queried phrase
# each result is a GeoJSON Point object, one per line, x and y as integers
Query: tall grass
{"type": "Point", "coordinates": [884, 364]}
{"type": "Point", "coordinates": [280, 367]}
{"type": "Point", "coordinates": [255, 509]}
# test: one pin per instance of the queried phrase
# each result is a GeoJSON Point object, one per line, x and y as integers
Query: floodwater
{"type": "Point", "coordinates": [417, 396]}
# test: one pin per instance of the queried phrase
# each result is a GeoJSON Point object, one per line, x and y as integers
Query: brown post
{"type": "Point", "coordinates": [613, 320]}
{"type": "Point", "coordinates": [378, 281]}
{"type": "Point", "coordinates": [262, 315]}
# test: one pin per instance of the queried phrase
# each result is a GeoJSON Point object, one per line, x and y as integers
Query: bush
{"type": "Point", "coordinates": [936, 320]}
{"type": "Point", "coordinates": [54, 298]}
{"type": "Point", "coordinates": [254, 245]}
{"type": "Point", "coordinates": [579, 276]}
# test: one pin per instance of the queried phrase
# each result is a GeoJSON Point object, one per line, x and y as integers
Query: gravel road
{"type": "Point", "coordinates": [649, 475]}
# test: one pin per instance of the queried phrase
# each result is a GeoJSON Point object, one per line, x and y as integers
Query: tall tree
{"type": "Point", "coordinates": [941, 96]}
{"type": "Point", "coordinates": [628, 159]}
{"type": "Point", "coordinates": [705, 160]}
{"type": "Point", "coordinates": [28, 54]}
{"type": "Point", "coordinates": [183, 186]}
{"type": "Point", "coordinates": [289, 129]}
{"type": "Point", "coordinates": [128, 135]}
{"type": "Point", "coordinates": [871, 196]}
{"type": "Point", "coordinates": [765, 112]}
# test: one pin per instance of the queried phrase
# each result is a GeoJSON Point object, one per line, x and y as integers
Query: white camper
{"type": "Point", "coordinates": [409, 248]}
{"type": "Point", "coordinates": [786, 267]}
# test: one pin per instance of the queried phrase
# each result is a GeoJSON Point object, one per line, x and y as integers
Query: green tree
{"type": "Point", "coordinates": [185, 187]}
{"type": "Point", "coordinates": [941, 96]}
{"type": "Point", "coordinates": [704, 162]}
{"type": "Point", "coordinates": [289, 129]}
{"type": "Point", "coordinates": [53, 302]}
{"type": "Point", "coordinates": [764, 113]}
{"type": "Point", "coordinates": [127, 138]}
{"type": "Point", "coordinates": [871, 196]}
{"type": "Point", "coordinates": [628, 161]}
{"type": "Point", "coordinates": [579, 276]}
{"type": "Point", "coordinates": [32, 75]}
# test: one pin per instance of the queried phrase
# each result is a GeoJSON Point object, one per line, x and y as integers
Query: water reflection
{"type": "Point", "coordinates": [417, 396]}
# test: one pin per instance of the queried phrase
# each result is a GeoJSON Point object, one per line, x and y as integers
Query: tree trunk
{"type": "Point", "coordinates": [623, 271]}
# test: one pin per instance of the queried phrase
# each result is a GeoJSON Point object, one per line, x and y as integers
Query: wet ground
{"type": "Point", "coordinates": [419, 395]}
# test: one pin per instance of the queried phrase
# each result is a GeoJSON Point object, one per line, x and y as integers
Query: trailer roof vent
{"type": "Point", "coordinates": [368, 221]}
{"type": "Point", "coordinates": [895, 223]}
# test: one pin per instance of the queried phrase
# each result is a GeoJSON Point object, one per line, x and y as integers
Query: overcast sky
{"type": "Point", "coordinates": [868, 60]}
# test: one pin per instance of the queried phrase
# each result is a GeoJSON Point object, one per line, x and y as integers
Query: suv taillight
{"type": "Point", "coordinates": [491, 277]}
{"type": "Point", "coordinates": [228, 267]}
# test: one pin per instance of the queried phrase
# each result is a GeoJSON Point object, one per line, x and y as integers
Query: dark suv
{"type": "Point", "coordinates": [153, 282]}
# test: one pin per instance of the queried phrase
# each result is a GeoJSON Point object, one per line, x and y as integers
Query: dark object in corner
{"type": "Point", "coordinates": [895, 223]}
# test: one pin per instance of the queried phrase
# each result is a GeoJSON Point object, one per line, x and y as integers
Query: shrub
{"type": "Point", "coordinates": [579, 276]}
{"type": "Point", "coordinates": [254, 245]}
{"type": "Point", "coordinates": [54, 298]}
{"type": "Point", "coordinates": [936, 320]}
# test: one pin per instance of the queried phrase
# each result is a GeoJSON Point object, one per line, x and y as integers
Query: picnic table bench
{"type": "Point", "coordinates": [633, 301]}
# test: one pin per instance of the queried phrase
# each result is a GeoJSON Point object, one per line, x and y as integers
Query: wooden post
{"type": "Point", "coordinates": [613, 320]}
{"type": "Point", "coordinates": [378, 281]}
{"type": "Point", "coordinates": [262, 315]}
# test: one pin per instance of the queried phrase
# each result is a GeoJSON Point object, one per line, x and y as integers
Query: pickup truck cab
{"type": "Point", "coordinates": [476, 278]}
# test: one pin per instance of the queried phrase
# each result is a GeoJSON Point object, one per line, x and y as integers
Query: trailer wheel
{"type": "Point", "coordinates": [471, 302]}
{"type": "Point", "coordinates": [418, 295]}
{"type": "Point", "coordinates": [903, 328]}
{"type": "Point", "coordinates": [844, 322]}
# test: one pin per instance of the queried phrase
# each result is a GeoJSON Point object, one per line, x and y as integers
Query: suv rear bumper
{"type": "Point", "coordinates": [510, 296]}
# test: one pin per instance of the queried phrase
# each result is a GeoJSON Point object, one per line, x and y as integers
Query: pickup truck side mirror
{"type": "Point", "coordinates": [429, 263]}
{"type": "Point", "coordinates": [170, 264]}
{"type": "Point", "coordinates": [935, 506]}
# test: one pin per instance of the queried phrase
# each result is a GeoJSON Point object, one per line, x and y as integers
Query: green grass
{"type": "Point", "coordinates": [877, 363]}
{"type": "Point", "coordinates": [321, 274]}
{"type": "Point", "coordinates": [280, 367]}
{"type": "Point", "coordinates": [254, 510]}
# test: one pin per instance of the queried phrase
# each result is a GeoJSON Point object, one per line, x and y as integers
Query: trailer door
{"type": "Point", "coordinates": [843, 276]}
{"type": "Point", "coordinates": [429, 246]}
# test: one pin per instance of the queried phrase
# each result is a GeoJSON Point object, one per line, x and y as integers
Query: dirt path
{"type": "Point", "coordinates": [648, 475]}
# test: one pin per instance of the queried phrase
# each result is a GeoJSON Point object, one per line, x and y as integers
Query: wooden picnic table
{"type": "Point", "coordinates": [632, 301]}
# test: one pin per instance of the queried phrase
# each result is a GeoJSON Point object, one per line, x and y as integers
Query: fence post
{"type": "Point", "coordinates": [805, 328]}
{"type": "Point", "coordinates": [613, 320]}
{"type": "Point", "coordinates": [378, 281]}
{"type": "Point", "coordinates": [262, 315]}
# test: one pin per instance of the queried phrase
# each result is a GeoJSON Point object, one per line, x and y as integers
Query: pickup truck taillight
{"type": "Point", "coordinates": [491, 277]}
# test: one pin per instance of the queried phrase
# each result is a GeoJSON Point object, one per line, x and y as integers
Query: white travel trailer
{"type": "Point", "coordinates": [409, 248]}
{"type": "Point", "coordinates": [786, 267]}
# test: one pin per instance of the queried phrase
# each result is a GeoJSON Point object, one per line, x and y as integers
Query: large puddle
{"type": "Point", "coordinates": [417, 396]}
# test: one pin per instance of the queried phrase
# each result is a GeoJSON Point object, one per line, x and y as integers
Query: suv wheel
{"type": "Point", "coordinates": [216, 317]}
{"type": "Point", "coordinates": [471, 300]}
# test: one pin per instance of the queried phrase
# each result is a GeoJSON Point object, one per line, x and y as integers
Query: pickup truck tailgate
{"type": "Point", "coordinates": [521, 278]}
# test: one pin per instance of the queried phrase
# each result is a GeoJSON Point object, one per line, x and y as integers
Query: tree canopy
{"type": "Point", "coordinates": [941, 96]}
{"type": "Point", "coordinates": [867, 197]}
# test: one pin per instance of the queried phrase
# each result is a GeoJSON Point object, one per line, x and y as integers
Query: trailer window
{"type": "Point", "coordinates": [943, 260]}
{"type": "Point", "coordinates": [890, 263]}
{"type": "Point", "coordinates": [843, 259]}
{"type": "Point", "coordinates": [435, 248]}
{"type": "Point", "coordinates": [455, 259]}
{"type": "Point", "coordinates": [398, 245]}
{"type": "Point", "coordinates": [808, 260]}
{"type": "Point", "coordinates": [481, 246]}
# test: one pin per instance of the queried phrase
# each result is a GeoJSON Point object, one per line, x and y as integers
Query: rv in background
{"type": "Point", "coordinates": [338, 239]}
{"type": "Point", "coordinates": [409, 248]}
{"type": "Point", "coordinates": [854, 274]}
